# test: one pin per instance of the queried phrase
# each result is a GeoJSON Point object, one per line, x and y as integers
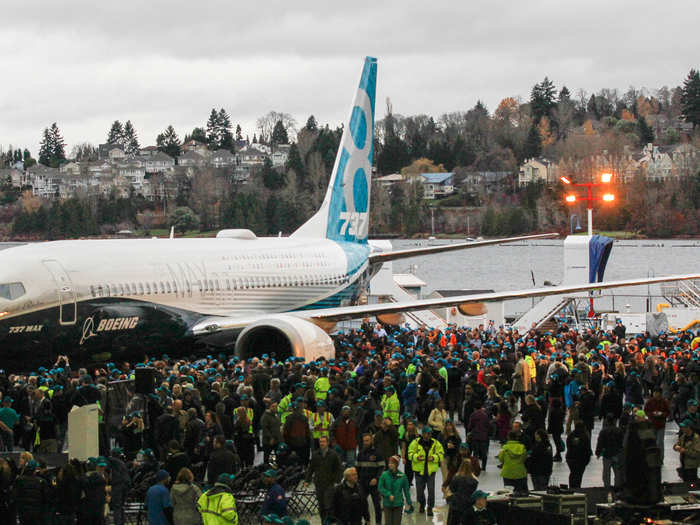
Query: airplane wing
{"type": "Point", "coordinates": [380, 257]}
{"type": "Point", "coordinates": [353, 312]}
{"type": "Point", "coordinates": [215, 324]}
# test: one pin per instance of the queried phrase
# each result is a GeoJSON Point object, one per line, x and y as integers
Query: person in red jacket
{"type": "Point", "coordinates": [657, 410]}
{"type": "Point", "coordinates": [344, 434]}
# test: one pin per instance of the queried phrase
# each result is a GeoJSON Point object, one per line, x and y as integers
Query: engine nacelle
{"type": "Point", "coordinates": [284, 335]}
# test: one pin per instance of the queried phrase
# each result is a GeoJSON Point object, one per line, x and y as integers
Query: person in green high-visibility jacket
{"type": "Point", "coordinates": [284, 408]}
{"type": "Point", "coordinates": [322, 385]}
{"type": "Point", "coordinates": [390, 405]}
{"type": "Point", "coordinates": [217, 505]}
{"type": "Point", "coordinates": [425, 454]}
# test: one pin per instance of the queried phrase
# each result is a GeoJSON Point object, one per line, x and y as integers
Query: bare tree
{"type": "Point", "coordinates": [267, 122]}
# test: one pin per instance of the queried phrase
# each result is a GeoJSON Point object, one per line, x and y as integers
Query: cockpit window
{"type": "Point", "coordinates": [12, 291]}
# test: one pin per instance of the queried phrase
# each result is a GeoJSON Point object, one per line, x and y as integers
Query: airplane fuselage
{"type": "Point", "coordinates": [116, 299]}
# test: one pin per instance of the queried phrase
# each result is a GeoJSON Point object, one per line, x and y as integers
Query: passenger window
{"type": "Point", "coordinates": [162, 287]}
{"type": "Point", "coordinates": [140, 289]}
{"type": "Point", "coordinates": [167, 287]}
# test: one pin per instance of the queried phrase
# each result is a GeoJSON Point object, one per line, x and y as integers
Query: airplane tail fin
{"type": "Point", "coordinates": [344, 213]}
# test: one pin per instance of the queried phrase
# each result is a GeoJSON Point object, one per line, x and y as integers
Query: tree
{"type": "Point", "coordinates": [690, 98]}
{"type": "Point", "coordinates": [45, 148]}
{"type": "Point", "coordinates": [272, 179]}
{"type": "Point", "coordinates": [239, 133]}
{"type": "Point", "coordinates": [546, 138]}
{"type": "Point", "coordinates": [279, 134]}
{"type": "Point", "coordinates": [533, 143]}
{"type": "Point", "coordinates": [311, 124]}
{"type": "Point", "coordinates": [213, 130]}
{"type": "Point", "coordinates": [422, 165]}
{"type": "Point", "coordinates": [225, 136]}
{"type": "Point", "coordinates": [266, 124]}
{"type": "Point", "coordinates": [295, 164]}
{"type": "Point", "coordinates": [116, 134]}
{"type": "Point", "coordinates": [564, 95]}
{"type": "Point", "coordinates": [84, 152]}
{"type": "Point", "coordinates": [168, 142]}
{"type": "Point", "coordinates": [197, 134]}
{"type": "Point", "coordinates": [542, 99]}
{"type": "Point", "coordinates": [646, 134]}
{"type": "Point", "coordinates": [130, 140]}
{"type": "Point", "coordinates": [183, 219]}
{"type": "Point", "coordinates": [58, 145]}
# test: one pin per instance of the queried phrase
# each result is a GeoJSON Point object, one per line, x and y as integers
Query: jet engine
{"type": "Point", "coordinates": [285, 336]}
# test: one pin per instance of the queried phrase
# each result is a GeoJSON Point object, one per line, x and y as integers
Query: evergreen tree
{"type": "Point", "coordinates": [45, 148]}
{"type": "Point", "coordinates": [564, 95]}
{"type": "Point", "coordinates": [279, 134]}
{"type": "Point", "coordinates": [272, 179]}
{"type": "Point", "coordinates": [295, 164]}
{"type": "Point", "coordinates": [592, 107]}
{"type": "Point", "coordinates": [239, 133]}
{"type": "Point", "coordinates": [226, 138]}
{"type": "Point", "coordinates": [213, 130]}
{"type": "Point", "coordinates": [311, 124]}
{"type": "Point", "coordinates": [690, 98]}
{"type": "Point", "coordinates": [255, 139]}
{"type": "Point", "coordinates": [646, 134]}
{"type": "Point", "coordinates": [58, 145]}
{"type": "Point", "coordinates": [168, 142]}
{"type": "Point", "coordinates": [197, 134]}
{"type": "Point", "coordinates": [116, 134]}
{"type": "Point", "coordinates": [533, 143]}
{"type": "Point", "coordinates": [542, 99]}
{"type": "Point", "coordinates": [130, 139]}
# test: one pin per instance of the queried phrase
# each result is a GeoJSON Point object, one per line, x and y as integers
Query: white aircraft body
{"type": "Point", "coordinates": [101, 300]}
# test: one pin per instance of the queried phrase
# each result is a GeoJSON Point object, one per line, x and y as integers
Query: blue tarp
{"type": "Point", "coordinates": [598, 254]}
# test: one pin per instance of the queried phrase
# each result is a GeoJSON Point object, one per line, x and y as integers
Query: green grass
{"type": "Point", "coordinates": [613, 234]}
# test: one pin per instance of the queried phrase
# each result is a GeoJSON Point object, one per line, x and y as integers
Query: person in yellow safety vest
{"type": "Point", "coordinates": [390, 405]}
{"type": "Point", "coordinates": [533, 369]}
{"type": "Point", "coordinates": [284, 408]}
{"type": "Point", "coordinates": [425, 454]}
{"type": "Point", "coordinates": [321, 422]}
{"type": "Point", "coordinates": [217, 505]}
{"type": "Point", "coordinates": [322, 385]}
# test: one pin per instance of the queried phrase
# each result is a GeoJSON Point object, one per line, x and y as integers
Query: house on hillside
{"type": "Point", "coordinates": [536, 169]}
{"type": "Point", "coordinates": [484, 181]}
{"type": "Point", "coordinates": [16, 177]}
{"type": "Point", "coordinates": [157, 162]}
{"type": "Point", "coordinates": [191, 159]}
{"type": "Point", "coordinates": [148, 151]}
{"type": "Point", "coordinates": [252, 156]}
{"type": "Point", "coordinates": [110, 152]}
{"type": "Point", "coordinates": [222, 158]}
{"type": "Point", "coordinates": [280, 154]}
{"type": "Point", "coordinates": [133, 173]}
{"type": "Point", "coordinates": [437, 185]}
{"type": "Point", "coordinates": [45, 181]}
{"type": "Point", "coordinates": [656, 162]}
{"type": "Point", "coordinates": [389, 180]}
{"type": "Point", "coordinates": [196, 147]}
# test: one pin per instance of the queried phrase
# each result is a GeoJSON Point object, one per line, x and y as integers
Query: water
{"type": "Point", "coordinates": [508, 267]}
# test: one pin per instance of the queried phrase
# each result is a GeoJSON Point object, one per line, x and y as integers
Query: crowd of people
{"type": "Point", "coordinates": [371, 427]}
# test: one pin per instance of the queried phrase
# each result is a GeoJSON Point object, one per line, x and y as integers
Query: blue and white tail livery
{"type": "Point", "coordinates": [344, 214]}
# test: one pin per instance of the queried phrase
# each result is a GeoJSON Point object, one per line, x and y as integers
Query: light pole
{"type": "Point", "coordinates": [605, 179]}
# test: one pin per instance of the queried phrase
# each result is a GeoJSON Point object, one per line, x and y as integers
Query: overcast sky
{"type": "Point", "coordinates": [84, 64]}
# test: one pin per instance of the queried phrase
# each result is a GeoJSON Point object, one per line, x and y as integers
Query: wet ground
{"type": "Point", "coordinates": [491, 481]}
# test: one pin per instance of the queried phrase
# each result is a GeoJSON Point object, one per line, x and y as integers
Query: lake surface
{"type": "Point", "coordinates": [509, 267]}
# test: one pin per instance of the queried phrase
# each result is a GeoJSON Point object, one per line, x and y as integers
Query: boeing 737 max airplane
{"type": "Point", "coordinates": [101, 300]}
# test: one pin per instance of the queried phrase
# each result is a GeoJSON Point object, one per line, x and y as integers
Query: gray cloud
{"type": "Point", "coordinates": [155, 62]}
